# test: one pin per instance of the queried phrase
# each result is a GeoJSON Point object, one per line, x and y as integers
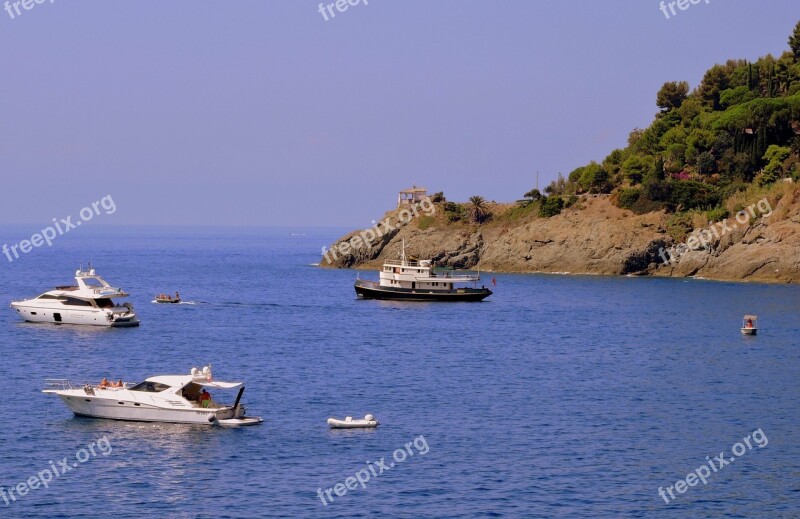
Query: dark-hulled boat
{"type": "Point", "coordinates": [410, 280]}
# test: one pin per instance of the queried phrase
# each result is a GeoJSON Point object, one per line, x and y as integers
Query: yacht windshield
{"type": "Point", "coordinates": [149, 387]}
{"type": "Point", "coordinates": [92, 283]}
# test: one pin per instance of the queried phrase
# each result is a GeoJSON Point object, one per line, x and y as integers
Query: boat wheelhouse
{"type": "Point", "coordinates": [90, 301]}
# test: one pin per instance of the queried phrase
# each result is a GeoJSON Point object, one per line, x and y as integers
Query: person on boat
{"type": "Point", "coordinates": [169, 297]}
{"type": "Point", "coordinates": [205, 399]}
{"type": "Point", "coordinates": [749, 323]}
{"type": "Point", "coordinates": [177, 295]}
{"type": "Point", "coordinates": [104, 383]}
{"type": "Point", "coordinates": [119, 383]}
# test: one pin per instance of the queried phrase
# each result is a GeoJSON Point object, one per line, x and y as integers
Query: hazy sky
{"type": "Point", "coordinates": [259, 112]}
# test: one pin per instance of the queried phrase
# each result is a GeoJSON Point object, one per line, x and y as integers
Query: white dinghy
{"type": "Point", "coordinates": [369, 422]}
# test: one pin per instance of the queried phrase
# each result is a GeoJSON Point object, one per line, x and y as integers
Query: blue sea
{"type": "Point", "coordinates": [559, 396]}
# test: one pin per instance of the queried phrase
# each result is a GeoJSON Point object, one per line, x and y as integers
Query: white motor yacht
{"type": "Point", "coordinates": [90, 301]}
{"type": "Point", "coordinates": [167, 398]}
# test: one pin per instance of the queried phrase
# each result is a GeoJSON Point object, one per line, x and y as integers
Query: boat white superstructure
{"type": "Point", "coordinates": [167, 398]}
{"type": "Point", "coordinates": [90, 301]}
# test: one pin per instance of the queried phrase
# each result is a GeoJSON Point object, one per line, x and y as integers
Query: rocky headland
{"type": "Point", "coordinates": [592, 236]}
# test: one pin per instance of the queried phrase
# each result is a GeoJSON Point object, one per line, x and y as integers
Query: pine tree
{"type": "Point", "coordinates": [794, 42]}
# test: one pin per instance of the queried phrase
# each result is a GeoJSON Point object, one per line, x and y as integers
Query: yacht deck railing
{"type": "Point", "coordinates": [60, 383]}
{"type": "Point", "coordinates": [407, 263]}
{"type": "Point", "coordinates": [63, 384]}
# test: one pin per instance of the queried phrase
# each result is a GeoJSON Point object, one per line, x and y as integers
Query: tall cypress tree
{"type": "Point", "coordinates": [769, 82]}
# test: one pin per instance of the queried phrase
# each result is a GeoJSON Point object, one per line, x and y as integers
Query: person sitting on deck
{"type": "Point", "coordinates": [119, 383]}
{"type": "Point", "coordinates": [104, 383]}
{"type": "Point", "coordinates": [205, 399]}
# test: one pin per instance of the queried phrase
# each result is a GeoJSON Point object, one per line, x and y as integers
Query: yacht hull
{"type": "Point", "coordinates": [370, 290]}
{"type": "Point", "coordinates": [113, 409]}
{"type": "Point", "coordinates": [88, 316]}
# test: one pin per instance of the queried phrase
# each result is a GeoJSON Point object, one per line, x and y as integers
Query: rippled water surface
{"type": "Point", "coordinates": [558, 396]}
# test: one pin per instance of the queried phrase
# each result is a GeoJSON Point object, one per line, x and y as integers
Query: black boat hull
{"type": "Point", "coordinates": [371, 290]}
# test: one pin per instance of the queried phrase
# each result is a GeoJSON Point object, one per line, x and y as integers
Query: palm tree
{"type": "Point", "coordinates": [477, 209]}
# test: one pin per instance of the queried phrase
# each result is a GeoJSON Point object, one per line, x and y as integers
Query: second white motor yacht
{"type": "Point", "coordinates": [90, 301]}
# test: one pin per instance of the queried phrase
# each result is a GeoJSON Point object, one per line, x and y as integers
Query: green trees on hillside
{"type": "Point", "coordinates": [741, 124]}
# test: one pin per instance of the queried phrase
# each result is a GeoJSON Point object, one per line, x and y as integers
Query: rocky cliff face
{"type": "Point", "coordinates": [593, 237]}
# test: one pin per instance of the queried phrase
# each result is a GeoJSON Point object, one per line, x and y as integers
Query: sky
{"type": "Point", "coordinates": [261, 112]}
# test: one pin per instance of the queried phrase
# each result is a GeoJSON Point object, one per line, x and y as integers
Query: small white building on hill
{"type": "Point", "coordinates": [412, 196]}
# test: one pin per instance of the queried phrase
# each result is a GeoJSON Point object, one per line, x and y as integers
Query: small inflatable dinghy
{"type": "Point", "coordinates": [369, 422]}
{"type": "Point", "coordinates": [239, 422]}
